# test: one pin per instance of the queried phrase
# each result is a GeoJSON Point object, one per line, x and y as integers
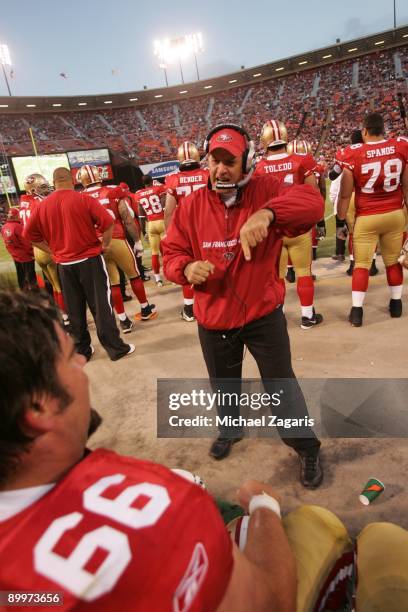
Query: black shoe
{"type": "Point", "coordinates": [395, 308]}
{"type": "Point", "coordinates": [145, 278]}
{"type": "Point", "coordinates": [373, 270]}
{"type": "Point", "coordinates": [126, 326]}
{"type": "Point", "coordinates": [127, 298]}
{"type": "Point", "coordinates": [147, 313]}
{"type": "Point", "coordinates": [311, 472]}
{"type": "Point", "coordinates": [338, 257]}
{"type": "Point", "coordinates": [356, 316]}
{"type": "Point", "coordinates": [187, 313]}
{"type": "Point", "coordinates": [290, 275]}
{"type": "Point", "coordinates": [307, 323]}
{"type": "Point", "coordinates": [351, 268]}
{"type": "Point", "coordinates": [221, 447]}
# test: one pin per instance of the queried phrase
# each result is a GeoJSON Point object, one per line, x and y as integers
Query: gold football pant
{"type": "Point", "coordinates": [120, 254]}
{"type": "Point", "coordinates": [325, 557]}
{"type": "Point", "coordinates": [155, 232]}
{"type": "Point", "coordinates": [299, 250]}
{"type": "Point", "coordinates": [49, 268]}
{"type": "Point", "coordinates": [385, 228]}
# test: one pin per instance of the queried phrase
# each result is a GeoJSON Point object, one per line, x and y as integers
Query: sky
{"type": "Point", "coordinates": [107, 46]}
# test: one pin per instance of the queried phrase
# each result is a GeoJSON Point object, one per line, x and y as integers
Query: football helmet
{"type": "Point", "coordinates": [187, 153]}
{"type": "Point", "coordinates": [301, 147]}
{"type": "Point", "coordinates": [37, 184]}
{"type": "Point", "coordinates": [88, 175]}
{"type": "Point", "coordinates": [274, 134]}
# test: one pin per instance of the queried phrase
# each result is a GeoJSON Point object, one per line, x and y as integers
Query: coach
{"type": "Point", "coordinates": [238, 293]}
{"type": "Point", "coordinates": [65, 224]}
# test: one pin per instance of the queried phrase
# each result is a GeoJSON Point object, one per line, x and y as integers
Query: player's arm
{"type": "Point", "coordinates": [106, 238]}
{"type": "Point", "coordinates": [128, 220]}
{"type": "Point", "coordinates": [346, 191]}
{"type": "Point", "coordinates": [170, 207]}
{"type": "Point", "coordinates": [311, 180]}
{"type": "Point", "coordinates": [264, 575]}
{"type": "Point", "coordinates": [43, 246]}
{"type": "Point", "coordinates": [322, 186]}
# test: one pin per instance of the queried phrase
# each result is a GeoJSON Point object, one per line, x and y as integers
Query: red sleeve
{"type": "Point", "coordinates": [171, 184]}
{"type": "Point", "coordinates": [32, 231]}
{"type": "Point", "coordinates": [102, 219]}
{"type": "Point", "coordinates": [403, 147]}
{"type": "Point", "coordinates": [297, 209]}
{"type": "Point", "coordinates": [309, 164]}
{"type": "Point", "coordinates": [177, 249]}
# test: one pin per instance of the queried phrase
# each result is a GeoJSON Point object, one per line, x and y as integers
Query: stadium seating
{"type": "Point", "coordinates": [322, 104]}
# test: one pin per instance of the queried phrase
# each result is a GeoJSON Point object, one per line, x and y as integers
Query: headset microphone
{"type": "Point", "coordinates": [239, 185]}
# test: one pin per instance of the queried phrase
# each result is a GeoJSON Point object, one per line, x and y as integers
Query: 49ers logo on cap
{"type": "Point", "coordinates": [224, 138]}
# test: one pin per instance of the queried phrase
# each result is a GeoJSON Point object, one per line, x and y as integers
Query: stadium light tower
{"type": "Point", "coordinates": [5, 61]}
{"type": "Point", "coordinates": [171, 50]}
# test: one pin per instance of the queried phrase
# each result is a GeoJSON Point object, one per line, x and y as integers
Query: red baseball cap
{"type": "Point", "coordinates": [228, 139]}
{"type": "Point", "coordinates": [13, 213]}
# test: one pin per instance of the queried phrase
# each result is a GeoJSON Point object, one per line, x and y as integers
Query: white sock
{"type": "Point", "coordinates": [357, 298]}
{"type": "Point", "coordinates": [188, 301]}
{"type": "Point", "coordinates": [122, 316]}
{"type": "Point", "coordinates": [307, 311]}
{"type": "Point", "coordinates": [157, 277]}
{"type": "Point", "coordinates": [396, 292]}
{"type": "Point", "coordinates": [144, 304]}
{"type": "Point", "coordinates": [351, 257]}
{"type": "Point", "coordinates": [64, 316]}
{"type": "Point", "coordinates": [374, 256]}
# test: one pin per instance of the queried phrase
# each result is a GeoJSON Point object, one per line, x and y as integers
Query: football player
{"type": "Point", "coordinates": [150, 204]}
{"type": "Point", "coordinates": [378, 172]}
{"type": "Point", "coordinates": [341, 227]}
{"type": "Point", "coordinates": [302, 147]}
{"type": "Point", "coordinates": [292, 169]}
{"type": "Point", "coordinates": [180, 185]}
{"type": "Point", "coordinates": [36, 189]}
{"type": "Point", "coordinates": [20, 250]}
{"type": "Point", "coordinates": [119, 254]}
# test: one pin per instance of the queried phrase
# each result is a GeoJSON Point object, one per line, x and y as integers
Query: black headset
{"type": "Point", "coordinates": [248, 158]}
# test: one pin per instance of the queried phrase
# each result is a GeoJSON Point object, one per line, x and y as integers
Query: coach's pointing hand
{"type": "Point", "coordinates": [197, 272]}
{"type": "Point", "coordinates": [255, 230]}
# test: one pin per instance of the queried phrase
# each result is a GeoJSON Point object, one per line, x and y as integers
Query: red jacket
{"type": "Point", "coordinates": [67, 220]}
{"type": "Point", "coordinates": [19, 247]}
{"type": "Point", "coordinates": [202, 228]}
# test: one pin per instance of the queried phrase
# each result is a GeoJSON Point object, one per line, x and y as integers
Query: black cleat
{"type": "Point", "coordinates": [311, 472]}
{"type": "Point", "coordinates": [221, 447]}
{"type": "Point", "coordinates": [187, 313]}
{"type": "Point", "coordinates": [351, 268]}
{"type": "Point", "coordinates": [395, 308]}
{"type": "Point", "coordinates": [307, 323]}
{"type": "Point", "coordinates": [356, 316]}
{"type": "Point", "coordinates": [126, 326]}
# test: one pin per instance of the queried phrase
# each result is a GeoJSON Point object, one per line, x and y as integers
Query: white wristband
{"type": "Point", "coordinates": [264, 501]}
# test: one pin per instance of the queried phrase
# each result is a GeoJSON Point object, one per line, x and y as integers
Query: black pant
{"type": "Point", "coordinates": [85, 283]}
{"type": "Point", "coordinates": [26, 276]}
{"type": "Point", "coordinates": [268, 342]}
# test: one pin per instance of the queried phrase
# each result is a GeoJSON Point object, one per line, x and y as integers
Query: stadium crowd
{"type": "Point", "coordinates": [324, 104]}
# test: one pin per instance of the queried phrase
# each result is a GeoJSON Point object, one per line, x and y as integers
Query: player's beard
{"type": "Point", "coordinates": [94, 422]}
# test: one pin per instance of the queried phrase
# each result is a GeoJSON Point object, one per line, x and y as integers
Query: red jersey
{"type": "Point", "coordinates": [27, 203]}
{"type": "Point", "coordinates": [117, 533]}
{"type": "Point", "coordinates": [66, 220]}
{"type": "Point", "coordinates": [289, 169]}
{"type": "Point", "coordinates": [377, 168]}
{"type": "Point", "coordinates": [109, 196]}
{"type": "Point", "coordinates": [150, 199]}
{"type": "Point", "coordinates": [238, 291]}
{"type": "Point", "coordinates": [185, 182]}
{"type": "Point", "coordinates": [19, 247]}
